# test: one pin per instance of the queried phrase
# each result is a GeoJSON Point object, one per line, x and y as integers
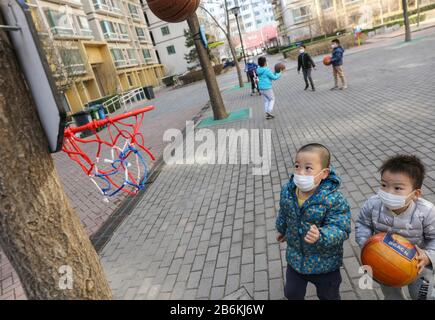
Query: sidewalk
{"type": "Point", "coordinates": [206, 231]}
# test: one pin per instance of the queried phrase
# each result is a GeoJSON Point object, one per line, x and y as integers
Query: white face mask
{"type": "Point", "coordinates": [301, 50]}
{"type": "Point", "coordinates": [392, 201]}
{"type": "Point", "coordinates": [305, 183]}
{"type": "Point", "coordinates": [333, 46]}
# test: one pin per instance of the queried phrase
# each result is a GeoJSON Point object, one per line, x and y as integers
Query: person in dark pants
{"type": "Point", "coordinates": [251, 70]}
{"type": "Point", "coordinates": [314, 220]}
{"type": "Point", "coordinates": [327, 285]}
{"type": "Point", "coordinates": [306, 64]}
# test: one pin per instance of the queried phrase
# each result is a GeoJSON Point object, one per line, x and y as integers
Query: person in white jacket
{"type": "Point", "coordinates": [398, 208]}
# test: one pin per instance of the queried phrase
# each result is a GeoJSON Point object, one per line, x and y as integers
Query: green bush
{"type": "Point", "coordinates": [273, 50]}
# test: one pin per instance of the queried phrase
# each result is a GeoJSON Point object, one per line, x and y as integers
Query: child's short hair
{"type": "Point", "coordinates": [262, 61]}
{"type": "Point", "coordinates": [406, 164]}
{"type": "Point", "coordinates": [325, 155]}
{"type": "Point", "coordinates": [336, 41]}
{"type": "Point", "coordinates": [303, 46]}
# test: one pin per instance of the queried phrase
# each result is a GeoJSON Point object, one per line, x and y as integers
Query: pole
{"type": "Point", "coordinates": [240, 36]}
{"type": "Point", "coordinates": [418, 13]}
{"type": "Point", "coordinates": [216, 101]}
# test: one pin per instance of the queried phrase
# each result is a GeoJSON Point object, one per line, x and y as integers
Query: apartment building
{"type": "Point", "coordinates": [103, 47]}
{"type": "Point", "coordinates": [302, 19]}
{"type": "Point", "coordinates": [169, 41]}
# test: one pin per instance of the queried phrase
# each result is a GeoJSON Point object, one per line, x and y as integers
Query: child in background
{"type": "Point", "coordinates": [251, 70]}
{"type": "Point", "coordinates": [306, 63]}
{"type": "Point", "coordinates": [337, 64]}
{"type": "Point", "coordinates": [314, 218]}
{"type": "Point", "coordinates": [399, 208]}
{"type": "Point", "coordinates": [265, 78]}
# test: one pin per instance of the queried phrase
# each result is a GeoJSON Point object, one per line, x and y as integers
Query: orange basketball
{"type": "Point", "coordinates": [393, 259]}
{"type": "Point", "coordinates": [173, 10]}
{"type": "Point", "coordinates": [279, 67]}
{"type": "Point", "coordinates": [327, 60]}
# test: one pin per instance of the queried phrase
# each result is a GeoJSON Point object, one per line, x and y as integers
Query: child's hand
{"type": "Point", "coordinates": [312, 235]}
{"type": "Point", "coordinates": [423, 259]}
{"type": "Point", "coordinates": [280, 237]}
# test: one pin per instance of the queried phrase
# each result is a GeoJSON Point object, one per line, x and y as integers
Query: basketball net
{"type": "Point", "coordinates": [112, 158]}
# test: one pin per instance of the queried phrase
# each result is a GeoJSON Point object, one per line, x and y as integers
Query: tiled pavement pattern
{"type": "Point", "coordinates": [172, 109]}
{"type": "Point", "coordinates": [171, 104]}
{"type": "Point", "coordinates": [206, 231]}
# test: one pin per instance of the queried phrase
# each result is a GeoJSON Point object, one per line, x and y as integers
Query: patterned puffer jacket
{"type": "Point", "coordinates": [329, 211]}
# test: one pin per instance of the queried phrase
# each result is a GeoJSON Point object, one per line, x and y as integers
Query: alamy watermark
{"type": "Point", "coordinates": [227, 146]}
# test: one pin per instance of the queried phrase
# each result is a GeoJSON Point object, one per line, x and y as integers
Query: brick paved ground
{"type": "Point", "coordinates": [350, 108]}
{"type": "Point", "coordinates": [172, 110]}
{"type": "Point", "coordinates": [205, 231]}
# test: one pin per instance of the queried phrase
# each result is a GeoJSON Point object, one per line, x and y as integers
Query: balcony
{"type": "Point", "coordinates": [133, 62]}
{"type": "Point", "coordinates": [107, 9]}
{"type": "Point", "coordinates": [86, 33]}
{"type": "Point", "coordinates": [62, 31]}
{"type": "Point", "coordinates": [120, 63]}
{"type": "Point", "coordinates": [111, 35]}
{"type": "Point", "coordinates": [72, 3]}
{"type": "Point", "coordinates": [75, 69]}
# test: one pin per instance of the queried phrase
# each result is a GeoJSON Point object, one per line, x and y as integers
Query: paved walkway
{"type": "Point", "coordinates": [225, 209]}
{"type": "Point", "coordinates": [205, 231]}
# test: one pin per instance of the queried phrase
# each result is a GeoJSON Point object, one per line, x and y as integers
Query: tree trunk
{"type": "Point", "coordinates": [216, 100]}
{"type": "Point", "coordinates": [39, 232]}
{"type": "Point", "coordinates": [236, 62]}
{"type": "Point", "coordinates": [406, 21]}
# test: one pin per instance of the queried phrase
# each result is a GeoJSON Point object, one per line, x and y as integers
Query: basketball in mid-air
{"type": "Point", "coordinates": [393, 259]}
{"type": "Point", "coordinates": [327, 60]}
{"type": "Point", "coordinates": [279, 67]}
{"type": "Point", "coordinates": [173, 10]}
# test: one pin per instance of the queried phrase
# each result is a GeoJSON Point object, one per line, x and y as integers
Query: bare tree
{"type": "Point", "coordinates": [329, 26]}
{"type": "Point", "coordinates": [227, 32]}
{"type": "Point", "coordinates": [216, 101]}
{"type": "Point", "coordinates": [39, 232]}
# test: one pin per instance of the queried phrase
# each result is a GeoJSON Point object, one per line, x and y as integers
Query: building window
{"type": "Point", "coordinates": [140, 34]}
{"type": "Point", "coordinates": [165, 30]}
{"type": "Point", "coordinates": [171, 50]}
{"type": "Point", "coordinates": [59, 22]}
{"type": "Point", "coordinates": [108, 28]}
{"type": "Point", "coordinates": [301, 14]}
{"type": "Point", "coordinates": [133, 11]}
{"type": "Point", "coordinates": [146, 54]}
{"type": "Point", "coordinates": [118, 57]}
{"type": "Point", "coordinates": [72, 61]}
{"type": "Point", "coordinates": [123, 31]}
{"type": "Point", "coordinates": [326, 4]}
{"type": "Point", "coordinates": [83, 24]}
{"type": "Point", "coordinates": [131, 56]}
{"type": "Point", "coordinates": [248, 25]}
{"type": "Point", "coordinates": [130, 80]}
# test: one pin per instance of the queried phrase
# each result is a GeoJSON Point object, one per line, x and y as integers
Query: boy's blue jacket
{"type": "Point", "coordinates": [329, 211]}
{"type": "Point", "coordinates": [337, 56]}
{"type": "Point", "coordinates": [265, 77]}
{"type": "Point", "coordinates": [250, 67]}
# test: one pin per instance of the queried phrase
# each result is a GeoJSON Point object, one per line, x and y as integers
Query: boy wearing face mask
{"type": "Point", "coordinates": [399, 208]}
{"type": "Point", "coordinates": [314, 219]}
{"type": "Point", "coordinates": [337, 64]}
{"type": "Point", "coordinates": [306, 64]}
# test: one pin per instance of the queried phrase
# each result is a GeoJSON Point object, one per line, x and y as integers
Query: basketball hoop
{"type": "Point", "coordinates": [105, 157]}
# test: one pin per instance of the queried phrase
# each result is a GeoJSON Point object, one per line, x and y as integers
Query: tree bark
{"type": "Point", "coordinates": [39, 232]}
{"type": "Point", "coordinates": [406, 21]}
{"type": "Point", "coordinates": [216, 100]}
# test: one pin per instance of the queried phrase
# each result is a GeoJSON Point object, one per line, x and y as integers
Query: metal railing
{"type": "Point", "coordinates": [125, 100]}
